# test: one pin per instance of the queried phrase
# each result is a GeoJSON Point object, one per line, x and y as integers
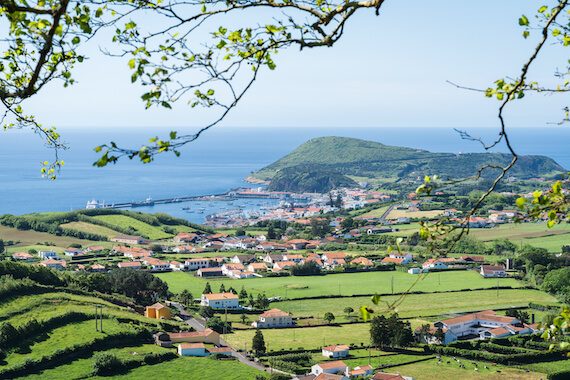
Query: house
{"type": "Point", "coordinates": [156, 265]}
{"type": "Point", "coordinates": [209, 272]}
{"type": "Point", "coordinates": [128, 239]}
{"type": "Point", "coordinates": [97, 268]}
{"type": "Point", "coordinates": [192, 349]}
{"type": "Point", "coordinates": [206, 336]}
{"type": "Point", "coordinates": [273, 318]}
{"type": "Point", "coordinates": [46, 255]}
{"type": "Point", "coordinates": [272, 258]}
{"type": "Point", "coordinates": [220, 300]}
{"type": "Point", "coordinates": [406, 256]}
{"type": "Point", "coordinates": [242, 259]}
{"type": "Point", "coordinates": [365, 370]}
{"type": "Point", "coordinates": [73, 251]}
{"type": "Point", "coordinates": [363, 261]}
{"type": "Point", "coordinates": [297, 244]}
{"type": "Point", "coordinates": [339, 351]}
{"type": "Point", "coordinates": [257, 267]}
{"type": "Point", "coordinates": [158, 311]}
{"type": "Point", "coordinates": [283, 265]}
{"type": "Point", "coordinates": [227, 268]}
{"type": "Point", "coordinates": [388, 260]}
{"type": "Point", "coordinates": [493, 271]}
{"type": "Point", "coordinates": [53, 264]}
{"type": "Point", "coordinates": [330, 368]}
{"type": "Point", "coordinates": [240, 274]}
{"type": "Point", "coordinates": [130, 264]}
{"type": "Point", "coordinates": [196, 263]}
{"type": "Point", "coordinates": [23, 256]}
{"type": "Point", "coordinates": [434, 264]}
{"type": "Point", "coordinates": [185, 237]}
{"type": "Point", "coordinates": [176, 265]}
{"type": "Point", "coordinates": [328, 256]}
{"type": "Point", "coordinates": [479, 323]}
{"type": "Point", "coordinates": [94, 248]}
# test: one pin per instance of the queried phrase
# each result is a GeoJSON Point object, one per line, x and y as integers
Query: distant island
{"type": "Point", "coordinates": [326, 163]}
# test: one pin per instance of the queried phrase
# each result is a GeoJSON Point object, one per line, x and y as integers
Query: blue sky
{"type": "Point", "coordinates": [387, 71]}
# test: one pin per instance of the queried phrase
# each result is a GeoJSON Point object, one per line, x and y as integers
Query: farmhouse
{"type": "Point", "coordinates": [339, 351]}
{"type": "Point", "coordinates": [53, 264]}
{"type": "Point", "coordinates": [365, 370]}
{"type": "Point", "coordinates": [434, 264]}
{"type": "Point", "coordinates": [430, 337]}
{"type": "Point", "coordinates": [220, 300]}
{"type": "Point", "coordinates": [273, 318]}
{"type": "Point", "coordinates": [486, 324]}
{"type": "Point", "coordinates": [209, 272]}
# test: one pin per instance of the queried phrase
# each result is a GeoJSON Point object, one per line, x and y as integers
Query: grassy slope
{"type": "Point", "coordinates": [92, 228]}
{"type": "Point", "coordinates": [28, 239]}
{"type": "Point", "coordinates": [153, 232]}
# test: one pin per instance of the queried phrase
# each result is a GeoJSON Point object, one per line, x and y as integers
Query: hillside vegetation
{"type": "Point", "coordinates": [368, 159]}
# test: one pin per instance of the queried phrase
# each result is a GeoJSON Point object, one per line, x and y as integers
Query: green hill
{"type": "Point", "coordinates": [309, 178]}
{"type": "Point", "coordinates": [368, 159]}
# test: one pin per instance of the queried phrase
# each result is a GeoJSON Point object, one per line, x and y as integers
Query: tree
{"type": "Point", "coordinates": [206, 312]}
{"type": "Point", "coordinates": [271, 233]}
{"type": "Point", "coordinates": [219, 326]}
{"type": "Point", "coordinates": [348, 310]}
{"type": "Point", "coordinates": [1, 245]}
{"type": "Point", "coordinates": [379, 333]}
{"type": "Point", "coordinates": [261, 302]}
{"type": "Point", "coordinates": [207, 289]}
{"type": "Point", "coordinates": [258, 343]}
{"type": "Point", "coordinates": [240, 232]}
{"type": "Point", "coordinates": [222, 288]}
{"type": "Point", "coordinates": [440, 335]}
{"type": "Point", "coordinates": [242, 293]}
{"type": "Point", "coordinates": [243, 318]}
{"type": "Point", "coordinates": [328, 317]}
{"type": "Point", "coordinates": [186, 297]}
{"type": "Point", "coordinates": [347, 223]}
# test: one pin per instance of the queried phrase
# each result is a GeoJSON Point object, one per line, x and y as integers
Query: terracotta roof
{"type": "Point", "coordinates": [221, 296]}
{"type": "Point", "coordinates": [328, 376]}
{"type": "Point", "coordinates": [334, 255]}
{"type": "Point", "coordinates": [191, 334]}
{"type": "Point", "coordinates": [500, 331]}
{"type": "Point", "coordinates": [340, 347]}
{"type": "Point", "coordinates": [386, 376]}
{"type": "Point", "coordinates": [488, 315]}
{"type": "Point", "coordinates": [274, 313]}
{"type": "Point", "coordinates": [157, 306]}
{"type": "Point", "coordinates": [329, 365]}
{"type": "Point", "coordinates": [191, 345]}
{"type": "Point", "coordinates": [218, 349]}
{"type": "Point", "coordinates": [392, 260]}
{"type": "Point", "coordinates": [130, 264]}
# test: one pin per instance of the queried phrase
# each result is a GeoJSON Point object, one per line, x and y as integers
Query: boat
{"type": "Point", "coordinates": [190, 211]}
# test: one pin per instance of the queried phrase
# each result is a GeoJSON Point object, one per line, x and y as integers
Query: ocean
{"type": "Point", "coordinates": [219, 160]}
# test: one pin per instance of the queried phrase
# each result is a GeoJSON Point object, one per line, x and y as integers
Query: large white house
{"type": "Point", "coordinates": [220, 300]}
{"type": "Point", "coordinates": [338, 351]}
{"type": "Point", "coordinates": [273, 318]}
{"type": "Point", "coordinates": [486, 324]}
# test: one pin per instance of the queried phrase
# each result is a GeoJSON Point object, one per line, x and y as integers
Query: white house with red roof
{"type": "Point", "coordinates": [338, 351]}
{"type": "Point", "coordinates": [365, 370]}
{"type": "Point", "coordinates": [434, 264]}
{"type": "Point", "coordinates": [330, 368]}
{"type": "Point", "coordinates": [485, 324]}
{"type": "Point", "coordinates": [220, 300]}
{"type": "Point", "coordinates": [493, 271]}
{"type": "Point", "coordinates": [73, 251]}
{"type": "Point", "coordinates": [273, 318]}
{"type": "Point", "coordinates": [23, 256]}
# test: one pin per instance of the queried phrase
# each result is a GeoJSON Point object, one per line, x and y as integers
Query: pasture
{"type": "Point", "coordinates": [335, 284]}
{"type": "Point", "coordinates": [153, 232]}
{"type": "Point", "coordinates": [91, 228]}
{"type": "Point", "coordinates": [33, 239]}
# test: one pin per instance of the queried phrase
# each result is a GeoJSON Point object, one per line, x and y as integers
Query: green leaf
{"type": "Point", "coordinates": [520, 202]}
{"type": "Point", "coordinates": [375, 299]}
{"type": "Point", "coordinates": [523, 21]}
{"type": "Point", "coordinates": [75, 40]}
{"type": "Point", "coordinates": [365, 312]}
{"type": "Point", "coordinates": [542, 9]}
{"type": "Point", "coordinates": [172, 135]}
{"type": "Point", "coordinates": [210, 92]}
{"type": "Point", "coordinates": [526, 33]}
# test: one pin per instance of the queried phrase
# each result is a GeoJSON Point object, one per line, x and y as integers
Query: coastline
{"type": "Point", "coordinates": [256, 181]}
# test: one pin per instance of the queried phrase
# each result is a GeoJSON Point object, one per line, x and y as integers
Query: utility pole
{"type": "Point", "coordinates": [497, 287]}
{"type": "Point", "coordinates": [392, 285]}
{"type": "Point", "coordinates": [97, 316]}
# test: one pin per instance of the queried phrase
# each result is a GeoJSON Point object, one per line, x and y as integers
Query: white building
{"type": "Point", "coordinates": [220, 300]}
{"type": "Point", "coordinates": [493, 271]}
{"type": "Point", "coordinates": [329, 367]}
{"type": "Point", "coordinates": [273, 318]}
{"type": "Point", "coordinates": [339, 351]}
{"type": "Point", "coordinates": [479, 323]}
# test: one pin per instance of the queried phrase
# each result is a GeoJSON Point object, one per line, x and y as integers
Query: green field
{"type": "Point", "coordinates": [91, 228]}
{"type": "Point", "coordinates": [333, 284]}
{"type": "Point", "coordinates": [153, 232]}
{"type": "Point", "coordinates": [29, 239]}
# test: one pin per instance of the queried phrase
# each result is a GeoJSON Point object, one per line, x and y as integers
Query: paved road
{"type": "Point", "coordinates": [385, 215]}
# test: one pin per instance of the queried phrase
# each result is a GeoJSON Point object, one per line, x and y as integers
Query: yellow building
{"type": "Point", "coordinates": [158, 311]}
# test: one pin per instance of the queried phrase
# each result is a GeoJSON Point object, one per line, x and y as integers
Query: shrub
{"type": "Point", "coordinates": [105, 363]}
